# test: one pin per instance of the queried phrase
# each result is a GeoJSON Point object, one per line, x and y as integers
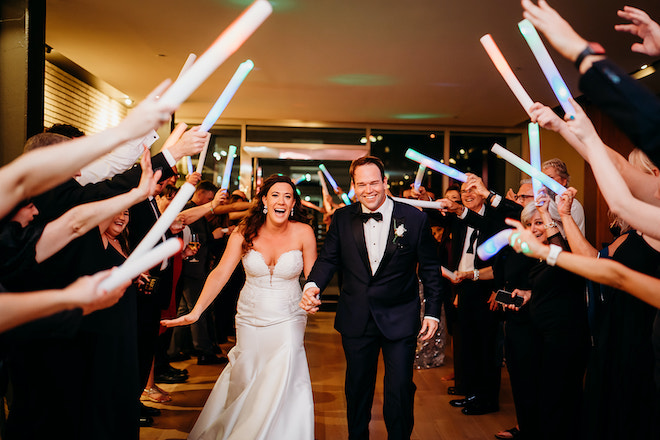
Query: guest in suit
{"type": "Point", "coordinates": [481, 216]}
{"type": "Point", "coordinates": [379, 247]}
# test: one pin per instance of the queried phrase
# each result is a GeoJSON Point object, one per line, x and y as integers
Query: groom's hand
{"type": "Point", "coordinates": [429, 327]}
{"type": "Point", "coordinates": [309, 301]}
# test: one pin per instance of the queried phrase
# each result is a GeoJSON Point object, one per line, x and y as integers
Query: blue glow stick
{"type": "Point", "coordinates": [328, 176]}
{"type": "Point", "coordinates": [535, 153]}
{"type": "Point", "coordinates": [304, 178]}
{"type": "Point", "coordinates": [547, 65]}
{"type": "Point", "coordinates": [435, 165]}
{"type": "Point", "coordinates": [494, 244]}
{"type": "Point", "coordinates": [345, 199]}
{"type": "Point", "coordinates": [523, 166]}
{"type": "Point", "coordinates": [190, 165]}
{"type": "Point", "coordinates": [228, 166]}
{"type": "Point", "coordinates": [419, 176]}
{"type": "Point", "coordinates": [234, 83]}
{"type": "Point", "coordinates": [351, 192]}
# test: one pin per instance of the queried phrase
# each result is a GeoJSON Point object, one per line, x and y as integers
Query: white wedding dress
{"type": "Point", "coordinates": [265, 391]}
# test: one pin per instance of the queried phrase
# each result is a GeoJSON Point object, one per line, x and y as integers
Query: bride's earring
{"type": "Point", "coordinates": [291, 215]}
{"type": "Point", "coordinates": [265, 210]}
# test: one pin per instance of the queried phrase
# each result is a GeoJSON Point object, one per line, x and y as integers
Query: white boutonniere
{"type": "Point", "coordinates": [399, 230]}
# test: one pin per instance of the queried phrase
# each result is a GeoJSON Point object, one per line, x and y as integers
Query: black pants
{"type": "Point", "coordinates": [399, 390]}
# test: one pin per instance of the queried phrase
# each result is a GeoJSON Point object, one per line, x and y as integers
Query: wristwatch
{"type": "Point", "coordinates": [555, 250]}
{"type": "Point", "coordinates": [490, 197]}
{"type": "Point", "coordinates": [591, 49]}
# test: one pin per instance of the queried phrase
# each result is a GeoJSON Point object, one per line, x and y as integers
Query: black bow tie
{"type": "Point", "coordinates": [365, 216]}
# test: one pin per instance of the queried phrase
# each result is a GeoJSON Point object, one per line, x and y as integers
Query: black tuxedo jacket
{"type": "Point", "coordinates": [391, 295]}
{"type": "Point", "coordinates": [633, 107]}
{"type": "Point", "coordinates": [488, 225]}
{"type": "Point", "coordinates": [60, 199]}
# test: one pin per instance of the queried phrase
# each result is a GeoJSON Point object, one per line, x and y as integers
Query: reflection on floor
{"type": "Point", "coordinates": [434, 418]}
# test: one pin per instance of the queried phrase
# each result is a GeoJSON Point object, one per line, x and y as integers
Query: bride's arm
{"type": "Point", "coordinates": [214, 282]}
{"type": "Point", "coordinates": [308, 249]}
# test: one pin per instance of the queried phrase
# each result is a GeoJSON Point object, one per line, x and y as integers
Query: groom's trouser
{"type": "Point", "coordinates": [399, 390]}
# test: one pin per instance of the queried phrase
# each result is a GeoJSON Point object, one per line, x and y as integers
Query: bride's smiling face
{"type": "Point", "coordinates": [279, 200]}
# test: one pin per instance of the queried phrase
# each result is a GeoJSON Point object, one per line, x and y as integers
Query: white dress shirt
{"type": "Point", "coordinates": [376, 233]}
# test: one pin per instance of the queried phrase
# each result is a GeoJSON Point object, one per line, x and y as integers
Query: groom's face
{"type": "Point", "coordinates": [370, 186]}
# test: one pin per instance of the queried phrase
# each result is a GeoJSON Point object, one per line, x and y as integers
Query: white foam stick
{"type": "Point", "coordinates": [494, 244]}
{"type": "Point", "coordinates": [550, 71]}
{"type": "Point", "coordinates": [130, 270]}
{"type": "Point", "coordinates": [189, 62]}
{"type": "Point", "coordinates": [420, 203]}
{"type": "Point", "coordinates": [225, 45]}
{"type": "Point", "coordinates": [535, 153]}
{"type": "Point", "coordinates": [523, 166]}
{"type": "Point", "coordinates": [419, 176]}
{"type": "Point", "coordinates": [164, 222]}
{"type": "Point", "coordinates": [228, 166]}
{"type": "Point", "coordinates": [227, 94]}
{"type": "Point", "coordinates": [505, 70]}
{"type": "Point", "coordinates": [448, 273]}
{"type": "Point", "coordinates": [202, 156]}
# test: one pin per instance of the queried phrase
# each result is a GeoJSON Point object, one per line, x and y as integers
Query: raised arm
{"type": "Point", "coordinates": [57, 163]}
{"type": "Point", "coordinates": [604, 271]}
{"type": "Point", "coordinates": [642, 26]}
{"type": "Point", "coordinates": [214, 282]}
{"type": "Point", "coordinates": [578, 243]}
{"type": "Point", "coordinates": [80, 219]}
{"type": "Point", "coordinates": [20, 308]}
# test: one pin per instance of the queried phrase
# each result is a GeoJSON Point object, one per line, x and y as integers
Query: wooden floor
{"type": "Point", "coordinates": [434, 418]}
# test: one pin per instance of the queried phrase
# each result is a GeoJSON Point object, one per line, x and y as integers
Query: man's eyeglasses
{"type": "Point", "coordinates": [524, 197]}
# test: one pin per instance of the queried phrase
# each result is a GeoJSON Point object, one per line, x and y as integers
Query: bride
{"type": "Point", "coordinates": [265, 392]}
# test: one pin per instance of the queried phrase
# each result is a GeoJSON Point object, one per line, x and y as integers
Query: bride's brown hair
{"type": "Point", "coordinates": [255, 219]}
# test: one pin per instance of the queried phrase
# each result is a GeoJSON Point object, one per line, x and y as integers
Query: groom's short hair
{"type": "Point", "coordinates": [366, 160]}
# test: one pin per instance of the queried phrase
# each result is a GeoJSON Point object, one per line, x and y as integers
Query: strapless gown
{"type": "Point", "coordinates": [265, 391]}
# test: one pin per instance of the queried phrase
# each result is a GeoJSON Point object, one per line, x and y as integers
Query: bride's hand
{"type": "Point", "coordinates": [309, 301]}
{"type": "Point", "coordinates": [181, 320]}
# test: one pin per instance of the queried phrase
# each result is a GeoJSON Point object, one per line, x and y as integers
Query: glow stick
{"type": "Point", "coordinates": [420, 203]}
{"type": "Point", "coordinates": [535, 153]}
{"type": "Point", "coordinates": [523, 166]}
{"type": "Point", "coordinates": [305, 178]}
{"type": "Point", "coordinates": [505, 70]}
{"type": "Point", "coordinates": [549, 69]}
{"type": "Point", "coordinates": [324, 187]}
{"type": "Point", "coordinates": [225, 45]}
{"type": "Point", "coordinates": [329, 177]}
{"type": "Point", "coordinates": [190, 165]}
{"type": "Point", "coordinates": [234, 83]}
{"type": "Point", "coordinates": [128, 271]}
{"type": "Point", "coordinates": [419, 176]}
{"type": "Point", "coordinates": [351, 192]}
{"type": "Point", "coordinates": [448, 273]}
{"type": "Point", "coordinates": [345, 199]}
{"type": "Point", "coordinates": [228, 166]}
{"type": "Point", "coordinates": [435, 165]}
{"type": "Point", "coordinates": [189, 62]}
{"type": "Point", "coordinates": [202, 156]}
{"type": "Point", "coordinates": [164, 222]}
{"type": "Point", "coordinates": [494, 244]}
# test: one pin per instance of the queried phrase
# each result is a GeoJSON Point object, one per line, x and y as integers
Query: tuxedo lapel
{"type": "Point", "coordinates": [390, 246]}
{"type": "Point", "coordinates": [358, 234]}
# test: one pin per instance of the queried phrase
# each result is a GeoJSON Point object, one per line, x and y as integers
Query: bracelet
{"type": "Point", "coordinates": [212, 211]}
{"type": "Point", "coordinates": [490, 197]}
{"type": "Point", "coordinates": [555, 250]}
{"type": "Point", "coordinates": [591, 49]}
{"type": "Point", "coordinates": [550, 225]}
{"type": "Point", "coordinates": [475, 275]}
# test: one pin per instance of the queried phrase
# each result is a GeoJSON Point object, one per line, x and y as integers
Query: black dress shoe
{"type": "Point", "coordinates": [211, 359]}
{"type": "Point", "coordinates": [459, 403]}
{"type": "Point", "coordinates": [171, 369]}
{"type": "Point", "coordinates": [148, 411]}
{"type": "Point", "coordinates": [455, 391]}
{"type": "Point", "coordinates": [170, 378]}
{"type": "Point", "coordinates": [179, 357]}
{"type": "Point", "coordinates": [478, 408]}
{"type": "Point", "coordinates": [146, 421]}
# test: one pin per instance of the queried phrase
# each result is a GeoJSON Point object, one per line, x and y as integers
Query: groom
{"type": "Point", "coordinates": [379, 246]}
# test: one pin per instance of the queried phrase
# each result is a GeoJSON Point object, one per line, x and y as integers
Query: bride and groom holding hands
{"type": "Point", "coordinates": [379, 247]}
